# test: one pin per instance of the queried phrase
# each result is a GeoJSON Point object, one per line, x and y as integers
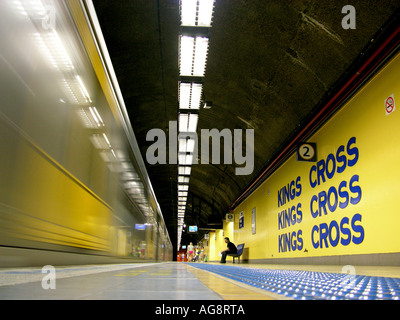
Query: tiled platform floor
{"type": "Point", "coordinates": [199, 281]}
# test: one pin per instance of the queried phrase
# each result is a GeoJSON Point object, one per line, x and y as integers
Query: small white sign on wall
{"type": "Point", "coordinates": [390, 105]}
{"type": "Point", "coordinates": [241, 220]}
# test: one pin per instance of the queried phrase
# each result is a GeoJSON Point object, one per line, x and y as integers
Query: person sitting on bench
{"type": "Point", "coordinates": [231, 249]}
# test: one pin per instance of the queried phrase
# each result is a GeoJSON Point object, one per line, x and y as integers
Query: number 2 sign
{"type": "Point", "coordinates": [307, 151]}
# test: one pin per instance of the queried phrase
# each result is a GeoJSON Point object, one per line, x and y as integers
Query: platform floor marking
{"type": "Point", "coordinates": [230, 290]}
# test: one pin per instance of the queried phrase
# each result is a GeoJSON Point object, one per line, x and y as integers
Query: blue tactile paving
{"type": "Point", "coordinates": [308, 285]}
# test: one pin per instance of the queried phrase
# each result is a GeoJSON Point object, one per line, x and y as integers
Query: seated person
{"type": "Point", "coordinates": [231, 249]}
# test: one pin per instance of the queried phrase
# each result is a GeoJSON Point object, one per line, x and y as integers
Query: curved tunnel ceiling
{"type": "Point", "coordinates": [269, 65]}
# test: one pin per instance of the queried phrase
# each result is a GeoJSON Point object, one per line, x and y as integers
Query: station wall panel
{"type": "Point", "coordinates": [347, 202]}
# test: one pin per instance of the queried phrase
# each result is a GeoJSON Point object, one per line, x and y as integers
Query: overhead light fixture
{"type": "Point", "coordinates": [193, 56]}
{"type": "Point", "coordinates": [205, 12]}
{"type": "Point", "coordinates": [188, 122]}
{"type": "Point", "coordinates": [188, 12]}
{"type": "Point", "coordinates": [186, 55]}
{"type": "Point", "coordinates": [183, 179]}
{"type": "Point", "coordinates": [196, 19]}
{"type": "Point", "coordinates": [183, 187]}
{"type": "Point", "coordinates": [190, 95]}
{"type": "Point", "coordinates": [200, 56]}
{"type": "Point", "coordinates": [185, 159]}
{"type": "Point", "coordinates": [184, 170]}
{"type": "Point", "coordinates": [186, 145]}
{"type": "Point", "coordinates": [197, 13]}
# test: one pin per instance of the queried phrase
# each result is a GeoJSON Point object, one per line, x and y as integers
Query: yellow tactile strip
{"type": "Point", "coordinates": [229, 289]}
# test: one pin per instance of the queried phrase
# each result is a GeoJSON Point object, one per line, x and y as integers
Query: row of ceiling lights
{"type": "Point", "coordinates": [196, 19]}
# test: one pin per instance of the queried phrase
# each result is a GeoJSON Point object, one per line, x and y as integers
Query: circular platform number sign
{"type": "Point", "coordinates": [307, 152]}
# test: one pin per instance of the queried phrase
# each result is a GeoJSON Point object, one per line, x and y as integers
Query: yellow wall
{"type": "Point", "coordinates": [216, 242]}
{"type": "Point", "coordinates": [369, 139]}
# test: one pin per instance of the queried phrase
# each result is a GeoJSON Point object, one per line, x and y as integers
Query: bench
{"type": "Point", "coordinates": [240, 248]}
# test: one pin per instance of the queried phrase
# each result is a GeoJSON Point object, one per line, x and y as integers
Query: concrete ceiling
{"type": "Point", "coordinates": [270, 64]}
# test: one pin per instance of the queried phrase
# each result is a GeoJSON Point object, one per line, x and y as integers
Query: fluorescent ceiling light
{"type": "Point", "coordinates": [190, 95]}
{"type": "Point", "coordinates": [193, 56]}
{"type": "Point", "coordinates": [184, 170]}
{"type": "Point", "coordinates": [183, 187]}
{"type": "Point", "coordinates": [182, 194]}
{"type": "Point", "coordinates": [188, 122]}
{"type": "Point", "coordinates": [186, 145]}
{"type": "Point", "coordinates": [183, 122]}
{"type": "Point", "coordinates": [183, 179]}
{"type": "Point", "coordinates": [197, 89]}
{"type": "Point", "coordinates": [184, 95]}
{"type": "Point", "coordinates": [188, 12]}
{"type": "Point", "coordinates": [186, 55]}
{"type": "Point", "coordinates": [197, 15]}
{"type": "Point", "coordinates": [185, 159]}
{"type": "Point", "coordinates": [192, 126]}
{"type": "Point", "coordinates": [200, 56]}
{"type": "Point", "coordinates": [205, 12]}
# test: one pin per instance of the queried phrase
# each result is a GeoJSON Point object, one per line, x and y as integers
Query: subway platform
{"type": "Point", "coordinates": [199, 282]}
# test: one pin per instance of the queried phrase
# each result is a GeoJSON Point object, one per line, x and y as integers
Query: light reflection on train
{"type": "Point", "coordinates": [72, 178]}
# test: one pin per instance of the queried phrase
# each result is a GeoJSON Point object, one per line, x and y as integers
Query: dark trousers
{"type": "Point", "coordinates": [225, 253]}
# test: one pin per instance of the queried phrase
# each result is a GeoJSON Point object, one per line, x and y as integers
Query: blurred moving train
{"type": "Point", "coordinates": [74, 188]}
